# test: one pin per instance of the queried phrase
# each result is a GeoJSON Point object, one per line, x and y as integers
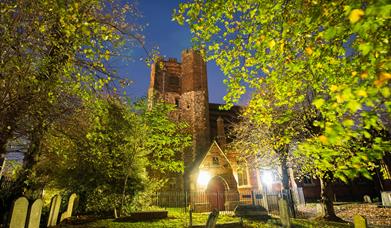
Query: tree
{"type": "Point", "coordinates": [113, 154]}
{"type": "Point", "coordinates": [167, 138]}
{"type": "Point", "coordinates": [50, 54]}
{"type": "Point", "coordinates": [336, 49]}
{"type": "Point", "coordinates": [268, 132]}
{"type": "Point", "coordinates": [44, 52]}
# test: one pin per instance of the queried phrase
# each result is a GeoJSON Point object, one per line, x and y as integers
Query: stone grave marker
{"type": "Point", "coordinates": [367, 199]}
{"type": "Point", "coordinates": [54, 210]}
{"type": "Point", "coordinates": [212, 219]}
{"type": "Point", "coordinates": [19, 212]}
{"type": "Point", "coordinates": [71, 205]}
{"type": "Point", "coordinates": [284, 213]}
{"type": "Point", "coordinates": [386, 198]}
{"type": "Point", "coordinates": [359, 221]}
{"type": "Point", "coordinates": [320, 210]}
{"type": "Point", "coordinates": [35, 214]}
{"type": "Point", "coordinates": [301, 196]}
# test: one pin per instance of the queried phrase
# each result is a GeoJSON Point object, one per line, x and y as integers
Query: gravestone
{"type": "Point", "coordinates": [212, 219]}
{"type": "Point", "coordinates": [359, 221]}
{"type": "Point", "coordinates": [284, 213]}
{"type": "Point", "coordinates": [19, 212]}
{"type": "Point", "coordinates": [54, 210]}
{"type": "Point", "coordinates": [320, 210]}
{"type": "Point", "coordinates": [301, 196]}
{"type": "Point", "coordinates": [386, 198]}
{"type": "Point", "coordinates": [71, 206]}
{"type": "Point", "coordinates": [35, 214]}
{"type": "Point", "coordinates": [367, 199]}
{"type": "Point", "coordinates": [252, 211]}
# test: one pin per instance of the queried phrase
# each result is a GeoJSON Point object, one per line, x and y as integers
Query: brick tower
{"type": "Point", "coordinates": [185, 85]}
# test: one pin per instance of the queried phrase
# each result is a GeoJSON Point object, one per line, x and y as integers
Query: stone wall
{"type": "Point", "coordinates": [185, 85]}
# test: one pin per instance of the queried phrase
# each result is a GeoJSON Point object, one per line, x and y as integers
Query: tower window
{"type": "Point", "coordinates": [173, 83]}
{"type": "Point", "coordinates": [215, 161]}
{"type": "Point", "coordinates": [177, 102]}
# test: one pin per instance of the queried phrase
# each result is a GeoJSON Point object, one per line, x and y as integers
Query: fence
{"type": "Point", "coordinates": [225, 202]}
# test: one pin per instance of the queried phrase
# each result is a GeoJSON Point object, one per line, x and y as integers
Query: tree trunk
{"type": "Point", "coordinates": [123, 194]}
{"type": "Point", "coordinates": [3, 143]}
{"type": "Point", "coordinates": [287, 193]}
{"type": "Point", "coordinates": [326, 193]}
{"type": "Point", "coordinates": [5, 135]}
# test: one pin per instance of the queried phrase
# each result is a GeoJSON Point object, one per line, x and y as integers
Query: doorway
{"type": "Point", "coordinates": [215, 191]}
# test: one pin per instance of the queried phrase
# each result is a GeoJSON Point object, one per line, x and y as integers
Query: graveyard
{"type": "Point", "coordinates": [376, 218]}
{"type": "Point", "coordinates": [357, 214]}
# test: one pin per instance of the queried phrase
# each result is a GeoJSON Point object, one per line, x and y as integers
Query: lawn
{"type": "Point", "coordinates": [179, 219]}
{"type": "Point", "coordinates": [177, 222]}
{"type": "Point", "coordinates": [377, 217]}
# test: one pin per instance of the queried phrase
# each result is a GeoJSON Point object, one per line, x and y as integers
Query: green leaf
{"type": "Point", "coordinates": [318, 102]}
{"type": "Point", "coordinates": [365, 48]}
{"type": "Point", "coordinates": [354, 106]}
{"type": "Point", "coordinates": [330, 33]}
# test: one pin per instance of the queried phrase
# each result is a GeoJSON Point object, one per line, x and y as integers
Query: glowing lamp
{"type": "Point", "coordinates": [203, 178]}
{"type": "Point", "coordinates": [267, 177]}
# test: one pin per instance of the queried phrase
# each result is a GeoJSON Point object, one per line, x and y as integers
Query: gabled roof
{"type": "Point", "coordinates": [201, 158]}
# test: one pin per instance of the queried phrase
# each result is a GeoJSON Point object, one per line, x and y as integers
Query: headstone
{"type": "Point", "coordinates": [284, 213]}
{"type": "Point", "coordinates": [19, 213]}
{"type": "Point", "coordinates": [54, 210]}
{"type": "Point", "coordinates": [71, 205]}
{"type": "Point", "coordinates": [359, 221]}
{"type": "Point", "coordinates": [254, 211]}
{"type": "Point", "coordinates": [320, 210]}
{"type": "Point", "coordinates": [367, 199]}
{"type": "Point", "coordinates": [212, 219]}
{"type": "Point", "coordinates": [386, 198]}
{"type": "Point", "coordinates": [190, 216]}
{"type": "Point", "coordinates": [35, 214]}
{"type": "Point", "coordinates": [301, 195]}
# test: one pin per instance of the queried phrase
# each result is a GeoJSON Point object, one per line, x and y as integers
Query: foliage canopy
{"type": "Point", "coordinates": [336, 53]}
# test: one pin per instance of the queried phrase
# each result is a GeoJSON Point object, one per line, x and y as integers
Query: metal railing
{"type": "Point", "coordinates": [225, 202]}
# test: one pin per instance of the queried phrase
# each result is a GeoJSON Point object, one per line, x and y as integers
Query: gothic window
{"type": "Point", "coordinates": [242, 174]}
{"type": "Point", "coordinates": [242, 177]}
{"type": "Point", "coordinates": [177, 102]}
{"type": "Point", "coordinates": [172, 184]}
{"type": "Point", "coordinates": [307, 180]}
{"type": "Point", "coordinates": [173, 82]}
{"type": "Point", "coordinates": [215, 161]}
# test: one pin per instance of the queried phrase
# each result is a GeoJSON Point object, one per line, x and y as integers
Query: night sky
{"type": "Point", "coordinates": [171, 39]}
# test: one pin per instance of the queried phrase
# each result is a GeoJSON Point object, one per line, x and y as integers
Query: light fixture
{"type": "Point", "coordinates": [267, 177]}
{"type": "Point", "coordinates": [203, 178]}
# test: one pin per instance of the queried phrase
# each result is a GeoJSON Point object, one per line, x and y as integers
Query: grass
{"type": "Point", "coordinates": [177, 218]}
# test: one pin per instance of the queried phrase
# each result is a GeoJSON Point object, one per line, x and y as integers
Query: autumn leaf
{"type": "Point", "coordinates": [323, 139]}
{"type": "Point", "coordinates": [362, 93]}
{"type": "Point", "coordinates": [272, 43]}
{"type": "Point", "coordinates": [364, 75]}
{"type": "Point", "coordinates": [309, 51]}
{"type": "Point", "coordinates": [355, 15]}
{"type": "Point", "coordinates": [383, 78]}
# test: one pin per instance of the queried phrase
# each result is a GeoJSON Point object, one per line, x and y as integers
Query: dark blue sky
{"type": "Point", "coordinates": [171, 39]}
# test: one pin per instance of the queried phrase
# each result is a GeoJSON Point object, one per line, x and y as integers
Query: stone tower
{"type": "Point", "coordinates": [185, 85]}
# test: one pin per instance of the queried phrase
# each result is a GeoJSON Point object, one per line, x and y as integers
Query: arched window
{"type": "Point", "coordinates": [177, 102]}
{"type": "Point", "coordinates": [242, 173]}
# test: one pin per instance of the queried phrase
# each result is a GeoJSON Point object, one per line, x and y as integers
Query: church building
{"type": "Point", "coordinates": [210, 167]}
